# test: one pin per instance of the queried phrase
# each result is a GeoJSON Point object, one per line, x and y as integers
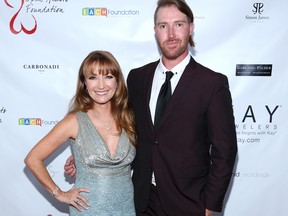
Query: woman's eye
{"type": "Point", "coordinates": [109, 76]}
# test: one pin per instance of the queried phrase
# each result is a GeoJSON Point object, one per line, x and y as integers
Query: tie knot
{"type": "Point", "coordinates": [169, 75]}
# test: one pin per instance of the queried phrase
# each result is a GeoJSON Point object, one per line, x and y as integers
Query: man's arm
{"type": "Point", "coordinates": [224, 144]}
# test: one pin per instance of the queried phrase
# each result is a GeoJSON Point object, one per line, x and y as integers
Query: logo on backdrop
{"type": "Point", "coordinates": [257, 123]}
{"type": "Point", "coordinates": [36, 122]}
{"type": "Point", "coordinates": [41, 67]}
{"type": "Point", "coordinates": [253, 69]}
{"type": "Point", "coordinates": [258, 8]}
{"type": "Point", "coordinates": [257, 13]}
{"type": "Point", "coordinates": [24, 19]}
{"type": "Point", "coordinates": [3, 111]}
{"type": "Point", "coordinates": [253, 174]}
{"type": "Point", "coordinates": [105, 12]}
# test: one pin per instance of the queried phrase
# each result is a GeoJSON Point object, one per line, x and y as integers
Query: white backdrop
{"type": "Point", "coordinates": [43, 42]}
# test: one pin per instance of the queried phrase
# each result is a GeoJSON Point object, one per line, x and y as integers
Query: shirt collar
{"type": "Point", "coordinates": [178, 69]}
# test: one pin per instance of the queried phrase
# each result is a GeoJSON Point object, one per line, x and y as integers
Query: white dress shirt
{"type": "Point", "coordinates": [159, 79]}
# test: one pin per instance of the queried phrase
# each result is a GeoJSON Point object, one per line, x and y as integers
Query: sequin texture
{"type": "Point", "coordinates": [107, 177]}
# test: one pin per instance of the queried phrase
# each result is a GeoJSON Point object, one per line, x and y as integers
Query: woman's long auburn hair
{"type": "Point", "coordinates": [120, 109]}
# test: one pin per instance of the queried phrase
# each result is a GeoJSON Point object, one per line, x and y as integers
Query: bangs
{"type": "Point", "coordinates": [101, 66]}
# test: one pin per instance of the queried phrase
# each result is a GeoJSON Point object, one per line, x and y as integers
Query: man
{"type": "Point", "coordinates": [183, 165]}
{"type": "Point", "coordinates": [191, 153]}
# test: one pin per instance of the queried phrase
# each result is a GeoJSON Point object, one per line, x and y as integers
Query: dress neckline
{"type": "Point", "coordinates": [103, 141]}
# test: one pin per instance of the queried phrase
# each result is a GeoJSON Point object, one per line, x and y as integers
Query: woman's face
{"type": "Point", "coordinates": [101, 87]}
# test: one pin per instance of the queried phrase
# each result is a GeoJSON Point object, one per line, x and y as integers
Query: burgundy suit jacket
{"type": "Point", "coordinates": [192, 153]}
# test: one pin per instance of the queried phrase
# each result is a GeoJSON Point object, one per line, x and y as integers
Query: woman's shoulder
{"type": "Point", "coordinates": [70, 123]}
{"type": "Point", "coordinates": [71, 117]}
{"type": "Point", "coordinates": [74, 116]}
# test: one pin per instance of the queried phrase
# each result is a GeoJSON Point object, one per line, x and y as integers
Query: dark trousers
{"type": "Point", "coordinates": [154, 206]}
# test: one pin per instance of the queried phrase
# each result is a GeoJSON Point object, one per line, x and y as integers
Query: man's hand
{"type": "Point", "coordinates": [69, 167]}
{"type": "Point", "coordinates": [208, 213]}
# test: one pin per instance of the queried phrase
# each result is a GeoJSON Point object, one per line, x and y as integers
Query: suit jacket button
{"type": "Point", "coordinates": [156, 143]}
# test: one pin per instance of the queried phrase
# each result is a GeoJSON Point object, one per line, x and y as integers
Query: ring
{"type": "Point", "coordinates": [77, 200]}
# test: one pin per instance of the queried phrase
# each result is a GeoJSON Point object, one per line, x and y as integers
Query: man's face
{"type": "Point", "coordinates": [172, 32]}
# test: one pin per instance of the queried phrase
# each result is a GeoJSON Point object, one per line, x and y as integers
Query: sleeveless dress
{"type": "Point", "coordinates": [107, 177]}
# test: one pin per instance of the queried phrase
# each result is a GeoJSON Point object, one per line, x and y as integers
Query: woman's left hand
{"type": "Point", "coordinates": [73, 197]}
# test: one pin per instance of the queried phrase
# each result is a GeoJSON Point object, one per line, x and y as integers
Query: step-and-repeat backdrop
{"type": "Point", "coordinates": [43, 42]}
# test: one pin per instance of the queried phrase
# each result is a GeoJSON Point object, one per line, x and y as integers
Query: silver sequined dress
{"type": "Point", "coordinates": [108, 178]}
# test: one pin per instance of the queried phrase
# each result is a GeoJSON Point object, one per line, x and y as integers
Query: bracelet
{"type": "Point", "coordinates": [55, 191]}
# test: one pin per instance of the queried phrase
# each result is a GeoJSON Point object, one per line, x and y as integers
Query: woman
{"type": "Point", "coordinates": [102, 132]}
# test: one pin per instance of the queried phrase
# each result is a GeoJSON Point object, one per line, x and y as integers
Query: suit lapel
{"type": "Point", "coordinates": [149, 81]}
{"type": "Point", "coordinates": [179, 92]}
